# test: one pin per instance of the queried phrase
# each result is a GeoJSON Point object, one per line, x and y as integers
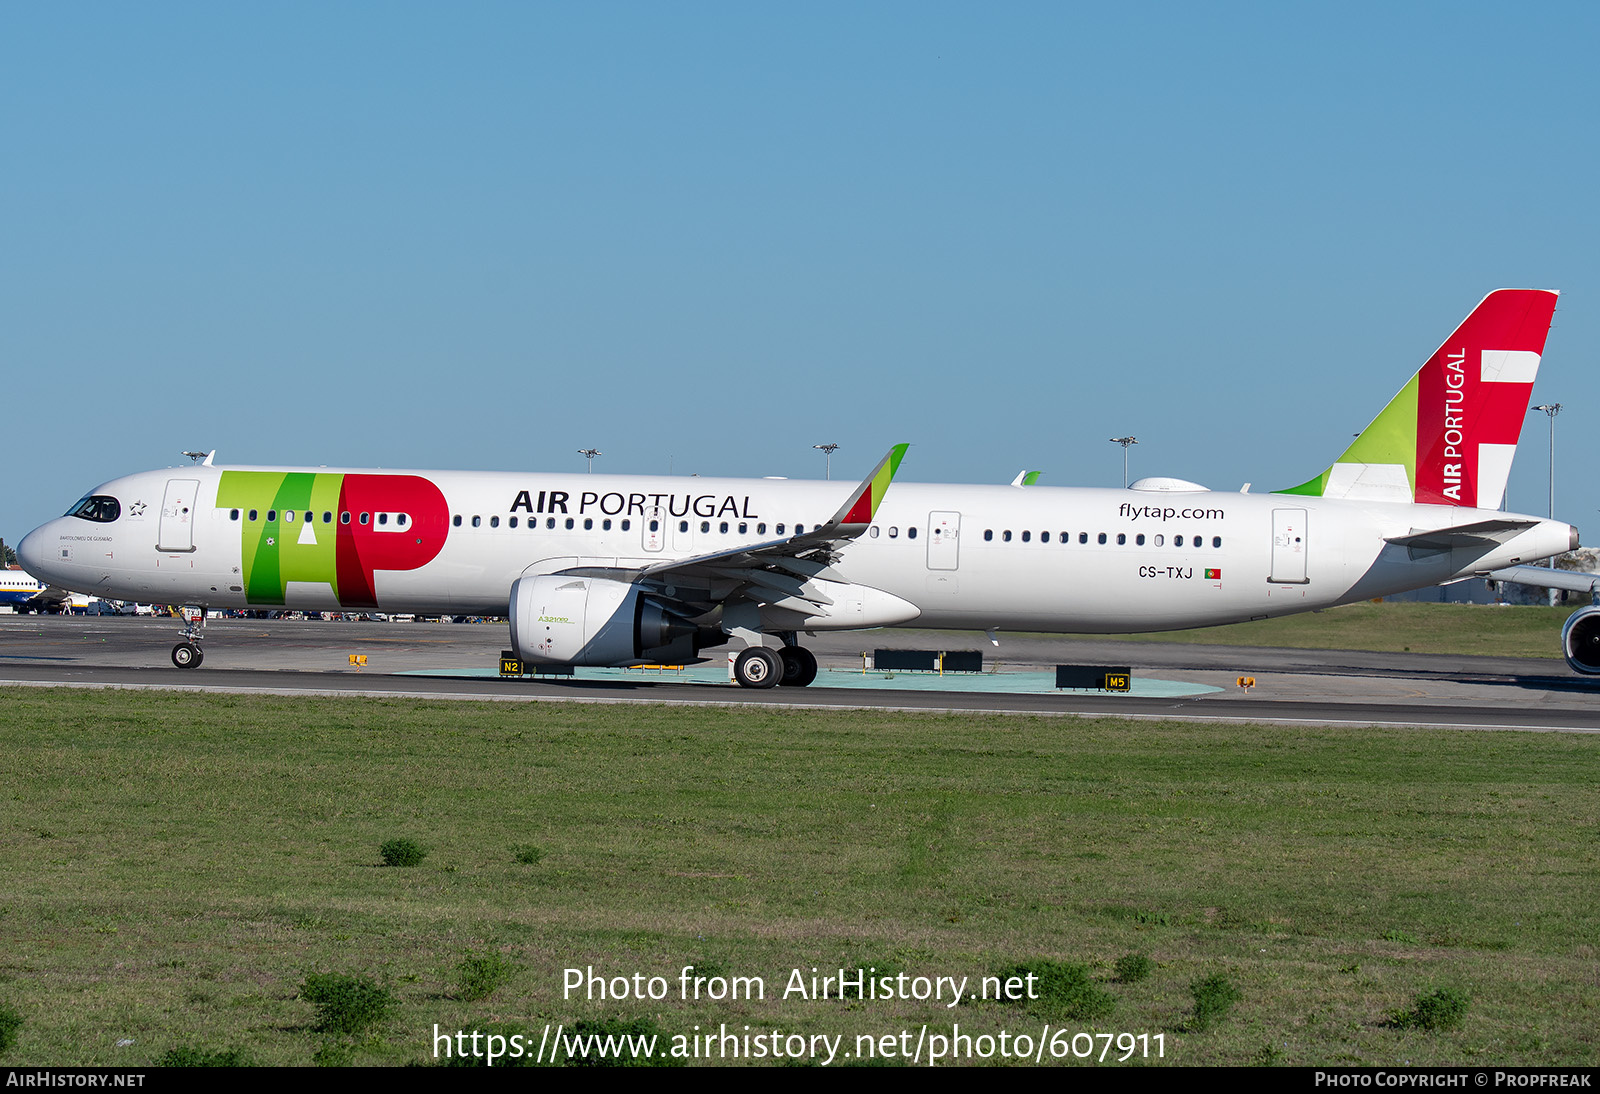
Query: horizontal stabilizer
{"type": "Point", "coordinates": [1480, 534]}
{"type": "Point", "coordinates": [1540, 577]}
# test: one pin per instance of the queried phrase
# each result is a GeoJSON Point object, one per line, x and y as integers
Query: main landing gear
{"type": "Point", "coordinates": [187, 654]}
{"type": "Point", "coordinates": [759, 667]}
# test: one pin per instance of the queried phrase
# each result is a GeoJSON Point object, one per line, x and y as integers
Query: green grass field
{"type": "Point", "coordinates": [176, 866]}
{"type": "Point", "coordinates": [1502, 631]}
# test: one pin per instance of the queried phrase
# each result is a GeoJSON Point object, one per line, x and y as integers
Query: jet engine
{"type": "Point", "coordinates": [1580, 641]}
{"type": "Point", "coordinates": [563, 620]}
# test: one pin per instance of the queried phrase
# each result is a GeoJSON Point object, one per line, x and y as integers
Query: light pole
{"type": "Point", "coordinates": [829, 449]}
{"type": "Point", "coordinates": [1124, 442]}
{"type": "Point", "coordinates": [590, 454]}
{"type": "Point", "coordinates": [1552, 409]}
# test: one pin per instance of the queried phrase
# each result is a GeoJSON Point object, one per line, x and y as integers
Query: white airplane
{"type": "Point", "coordinates": [24, 593]}
{"type": "Point", "coordinates": [609, 570]}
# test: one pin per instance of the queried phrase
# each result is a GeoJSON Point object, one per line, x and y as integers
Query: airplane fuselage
{"type": "Point", "coordinates": [959, 556]}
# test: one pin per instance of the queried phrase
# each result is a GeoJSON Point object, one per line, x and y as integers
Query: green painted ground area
{"type": "Point", "coordinates": [996, 683]}
{"type": "Point", "coordinates": [178, 866]}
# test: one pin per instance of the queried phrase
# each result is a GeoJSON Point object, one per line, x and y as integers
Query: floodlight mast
{"type": "Point", "coordinates": [1552, 409]}
{"type": "Point", "coordinates": [829, 450]}
{"type": "Point", "coordinates": [590, 454]}
{"type": "Point", "coordinates": [1124, 442]}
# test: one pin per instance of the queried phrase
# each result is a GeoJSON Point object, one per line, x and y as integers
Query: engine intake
{"type": "Point", "coordinates": [1580, 641]}
{"type": "Point", "coordinates": [598, 622]}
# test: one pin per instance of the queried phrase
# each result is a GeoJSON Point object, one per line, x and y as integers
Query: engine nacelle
{"type": "Point", "coordinates": [1580, 641]}
{"type": "Point", "coordinates": [597, 622]}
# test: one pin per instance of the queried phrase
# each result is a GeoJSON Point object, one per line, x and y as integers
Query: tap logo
{"type": "Point", "coordinates": [325, 528]}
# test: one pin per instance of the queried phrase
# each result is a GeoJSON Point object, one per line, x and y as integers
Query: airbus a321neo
{"type": "Point", "coordinates": [610, 570]}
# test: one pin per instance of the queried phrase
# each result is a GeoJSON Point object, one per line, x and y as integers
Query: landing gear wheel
{"type": "Point", "coordinates": [758, 667]}
{"type": "Point", "coordinates": [186, 655]}
{"type": "Point", "coordinates": [799, 666]}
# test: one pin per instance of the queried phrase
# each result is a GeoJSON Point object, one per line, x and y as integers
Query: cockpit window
{"type": "Point", "coordinates": [100, 508]}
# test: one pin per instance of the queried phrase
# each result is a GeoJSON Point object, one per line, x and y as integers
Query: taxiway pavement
{"type": "Point", "coordinates": [1292, 686]}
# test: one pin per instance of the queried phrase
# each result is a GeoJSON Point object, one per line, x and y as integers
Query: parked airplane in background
{"type": "Point", "coordinates": [625, 570]}
{"type": "Point", "coordinates": [24, 593]}
{"type": "Point", "coordinates": [1580, 635]}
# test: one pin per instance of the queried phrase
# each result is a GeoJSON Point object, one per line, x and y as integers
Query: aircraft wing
{"type": "Point", "coordinates": [50, 594]}
{"type": "Point", "coordinates": [1541, 577]}
{"type": "Point", "coordinates": [1483, 533]}
{"type": "Point", "coordinates": [778, 570]}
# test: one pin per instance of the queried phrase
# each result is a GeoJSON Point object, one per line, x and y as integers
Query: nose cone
{"type": "Point", "coordinates": [30, 552]}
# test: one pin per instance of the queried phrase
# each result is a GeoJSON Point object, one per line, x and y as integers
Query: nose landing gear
{"type": "Point", "coordinates": [187, 654]}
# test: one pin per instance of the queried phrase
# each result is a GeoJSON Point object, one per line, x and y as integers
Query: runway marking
{"type": "Point", "coordinates": [491, 697]}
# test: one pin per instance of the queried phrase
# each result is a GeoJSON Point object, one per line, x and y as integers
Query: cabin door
{"type": "Point", "coordinates": [1289, 547]}
{"type": "Point", "coordinates": [177, 516]}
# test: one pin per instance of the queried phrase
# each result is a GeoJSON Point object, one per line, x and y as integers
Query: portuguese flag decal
{"type": "Point", "coordinates": [1213, 575]}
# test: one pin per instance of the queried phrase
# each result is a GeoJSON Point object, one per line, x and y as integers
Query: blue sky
{"type": "Point", "coordinates": [708, 236]}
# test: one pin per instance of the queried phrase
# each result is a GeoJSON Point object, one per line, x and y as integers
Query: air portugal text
{"type": "Point", "coordinates": [614, 504]}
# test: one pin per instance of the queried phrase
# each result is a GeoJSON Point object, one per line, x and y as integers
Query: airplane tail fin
{"type": "Point", "coordinates": [1448, 437]}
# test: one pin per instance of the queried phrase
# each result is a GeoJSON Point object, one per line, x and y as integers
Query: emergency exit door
{"type": "Point", "coordinates": [944, 540]}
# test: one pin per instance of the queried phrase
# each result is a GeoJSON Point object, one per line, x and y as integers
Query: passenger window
{"type": "Point", "coordinates": [705, 526]}
{"type": "Point", "coordinates": [272, 515]}
{"type": "Point", "coordinates": [234, 515]}
{"type": "Point", "coordinates": [1006, 535]}
{"type": "Point", "coordinates": [761, 529]}
{"type": "Point", "coordinates": [799, 529]}
{"type": "Point", "coordinates": [494, 522]}
{"type": "Point", "coordinates": [1102, 537]}
{"type": "Point", "coordinates": [683, 526]}
{"type": "Point", "coordinates": [456, 520]}
{"type": "Point", "coordinates": [894, 531]}
{"type": "Point", "coordinates": [550, 523]}
{"type": "Point", "coordinates": [383, 518]}
{"type": "Point", "coordinates": [605, 525]}
{"type": "Point", "coordinates": [911, 533]}
{"type": "Point", "coordinates": [626, 524]}
{"type": "Point", "coordinates": [723, 528]}
{"type": "Point", "coordinates": [1158, 540]}
{"type": "Point", "coordinates": [655, 526]}
{"type": "Point", "coordinates": [288, 516]}
{"type": "Point", "coordinates": [988, 535]}
{"type": "Point", "coordinates": [1177, 541]}
{"type": "Point", "coordinates": [477, 522]}
{"type": "Point", "coordinates": [1122, 538]}
{"type": "Point", "coordinates": [588, 524]}
{"type": "Point", "coordinates": [873, 531]}
{"type": "Point", "coordinates": [1083, 537]}
{"type": "Point", "coordinates": [1027, 537]}
{"type": "Point", "coordinates": [780, 529]}
{"type": "Point", "coordinates": [400, 519]}
{"type": "Point", "coordinates": [511, 522]}
{"type": "Point", "coordinates": [571, 524]}
{"type": "Point", "coordinates": [1138, 540]}
{"type": "Point", "coordinates": [1044, 537]}
{"type": "Point", "coordinates": [327, 517]}
{"type": "Point", "coordinates": [1216, 541]}
{"type": "Point", "coordinates": [344, 518]}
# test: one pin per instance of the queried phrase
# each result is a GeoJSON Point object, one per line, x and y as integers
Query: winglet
{"type": "Point", "coordinates": [863, 504]}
